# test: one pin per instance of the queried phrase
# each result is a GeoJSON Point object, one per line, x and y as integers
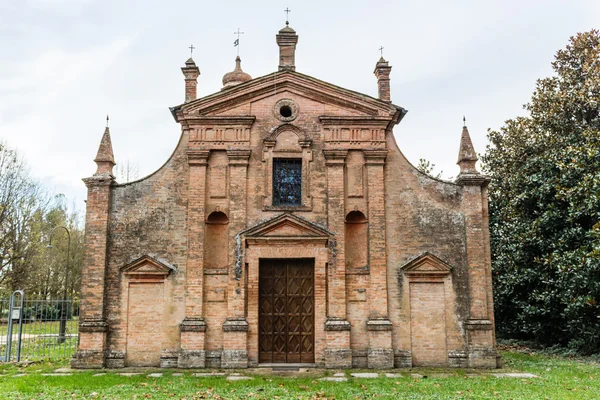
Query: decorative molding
{"type": "Point", "coordinates": [379, 324]}
{"type": "Point", "coordinates": [239, 156]}
{"type": "Point", "coordinates": [375, 156]}
{"type": "Point", "coordinates": [473, 180]}
{"type": "Point", "coordinates": [147, 266]}
{"type": "Point", "coordinates": [197, 157]}
{"type": "Point", "coordinates": [193, 325]}
{"type": "Point", "coordinates": [337, 324]}
{"type": "Point", "coordinates": [93, 325]}
{"type": "Point", "coordinates": [235, 325]}
{"type": "Point", "coordinates": [426, 266]}
{"type": "Point", "coordinates": [285, 102]}
{"type": "Point", "coordinates": [335, 157]}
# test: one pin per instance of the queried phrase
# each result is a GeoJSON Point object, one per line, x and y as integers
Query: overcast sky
{"type": "Point", "coordinates": [65, 64]}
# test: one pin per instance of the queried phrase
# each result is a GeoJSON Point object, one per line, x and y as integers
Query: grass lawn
{"type": "Point", "coordinates": [559, 378]}
{"type": "Point", "coordinates": [41, 327]}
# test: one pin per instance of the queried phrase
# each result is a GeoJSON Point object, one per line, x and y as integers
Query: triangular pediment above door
{"type": "Point", "coordinates": [426, 264]}
{"type": "Point", "coordinates": [147, 265]}
{"type": "Point", "coordinates": [287, 226]}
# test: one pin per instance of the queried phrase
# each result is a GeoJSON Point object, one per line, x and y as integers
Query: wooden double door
{"type": "Point", "coordinates": [286, 311]}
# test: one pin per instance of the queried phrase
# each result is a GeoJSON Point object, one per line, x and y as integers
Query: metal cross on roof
{"type": "Point", "coordinates": [287, 15]}
{"type": "Point", "coordinates": [191, 50]}
{"type": "Point", "coordinates": [237, 41]}
{"type": "Point", "coordinates": [381, 50]}
{"type": "Point", "coordinates": [107, 120]}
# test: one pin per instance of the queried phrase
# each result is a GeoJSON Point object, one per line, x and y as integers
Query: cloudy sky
{"type": "Point", "coordinates": [65, 64]}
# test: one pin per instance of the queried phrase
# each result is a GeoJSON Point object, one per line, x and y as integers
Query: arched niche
{"type": "Point", "coordinates": [356, 240]}
{"type": "Point", "coordinates": [215, 243]}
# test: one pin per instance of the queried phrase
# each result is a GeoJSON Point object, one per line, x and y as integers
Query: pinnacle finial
{"type": "Point", "coordinates": [467, 157]}
{"type": "Point", "coordinates": [105, 160]}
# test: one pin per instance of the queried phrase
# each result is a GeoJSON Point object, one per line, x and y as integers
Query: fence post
{"type": "Point", "coordinates": [11, 311]}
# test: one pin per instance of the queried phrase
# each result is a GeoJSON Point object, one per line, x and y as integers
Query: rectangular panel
{"type": "Point", "coordinates": [144, 322]}
{"type": "Point", "coordinates": [428, 324]}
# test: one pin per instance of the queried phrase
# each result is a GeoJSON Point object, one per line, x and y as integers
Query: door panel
{"type": "Point", "coordinates": [286, 311]}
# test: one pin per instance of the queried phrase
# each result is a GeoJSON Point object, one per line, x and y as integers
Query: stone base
{"type": "Point", "coordinates": [380, 358]}
{"type": "Point", "coordinates": [84, 359]}
{"type": "Point", "coordinates": [191, 359]}
{"type": "Point", "coordinates": [338, 358]}
{"type": "Point", "coordinates": [115, 359]}
{"type": "Point", "coordinates": [234, 359]}
{"type": "Point", "coordinates": [168, 359]}
{"type": "Point", "coordinates": [482, 358]}
{"type": "Point", "coordinates": [213, 359]}
{"type": "Point", "coordinates": [458, 359]}
{"type": "Point", "coordinates": [359, 359]}
{"type": "Point", "coordinates": [402, 359]}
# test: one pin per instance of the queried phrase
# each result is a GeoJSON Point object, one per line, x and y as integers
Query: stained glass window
{"type": "Point", "coordinates": [287, 181]}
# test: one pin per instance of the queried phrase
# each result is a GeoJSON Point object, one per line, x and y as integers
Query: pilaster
{"type": "Point", "coordinates": [379, 327]}
{"type": "Point", "coordinates": [235, 328]}
{"type": "Point", "coordinates": [479, 326]}
{"type": "Point", "coordinates": [92, 324]}
{"type": "Point", "coordinates": [337, 329]}
{"type": "Point", "coordinates": [192, 328]}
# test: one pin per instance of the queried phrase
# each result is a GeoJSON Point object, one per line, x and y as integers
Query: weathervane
{"type": "Point", "coordinates": [381, 50]}
{"type": "Point", "coordinates": [107, 120]}
{"type": "Point", "coordinates": [237, 41]}
{"type": "Point", "coordinates": [464, 121]}
{"type": "Point", "coordinates": [287, 15]}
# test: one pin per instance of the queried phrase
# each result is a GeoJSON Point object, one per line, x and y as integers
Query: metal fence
{"type": "Point", "coordinates": [33, 328]}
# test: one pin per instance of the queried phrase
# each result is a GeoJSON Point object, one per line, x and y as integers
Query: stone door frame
{"type": "Point", "coordinates": [298, 249]}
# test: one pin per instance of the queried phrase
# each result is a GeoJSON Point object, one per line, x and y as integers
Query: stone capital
{"type": "Point", "coordinates": [375, 156]}
{"type": "Point", "coordinates": [238, 156]}
{"type": "Point", "coordinates": [475, 179]}
{"type": "Point", "coordinates": [198, 157]}
{"type": "Point", "coordinates": [99, 180]}
{"type": "Point", "coordinates": [379, 324]}
{"type": "Point", "coordinates": [93, 325]}
{"type": "Point", "coordinates": [335, 157]}
{"type": "Point", "coordinates": [193, 325]}
{"type": "Point", "coordinates": [337, 324]}
{"type": "Point", "coordinates": [235, 325]}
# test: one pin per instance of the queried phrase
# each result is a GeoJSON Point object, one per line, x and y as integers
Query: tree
{"type": "Point", "coordinates": [27, 216]}
{"type": "Point", "coordinates": [545, 206]}
{"type": "Point", "coordinates": [428, 167]}
{"type": "Point", "coordinates": [129, 172]}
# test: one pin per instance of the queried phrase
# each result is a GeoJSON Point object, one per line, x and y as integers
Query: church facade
{"type": "Point", "coordinates": [287, 228]}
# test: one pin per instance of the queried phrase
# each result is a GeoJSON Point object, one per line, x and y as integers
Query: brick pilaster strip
{"type": "Point", "coordinates": [238, 193]}
{"type": "Point", "coordinates": [375, 162]}
{"type": "Point", "coordinates": [336, 212]}
{"type": "Point", "coordinates": [96, 239]}
{"type": "Point", "coordinates": [198, 161]}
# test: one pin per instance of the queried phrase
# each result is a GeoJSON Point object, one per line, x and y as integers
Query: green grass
{"type": "Point", "coordinates": [560, 378]}
{"type": "Point", "coordinates": [40, 328]}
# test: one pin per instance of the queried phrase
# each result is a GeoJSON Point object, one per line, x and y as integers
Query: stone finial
{"type": "Point", "coordinates": [382, 72]}
{"type": "Point", "coordinates": [286, 40]}
{"type": "Point", "coordinates": [467, 158]}
{"type": "Point", "coordinates": [191, 73]}
{"type": "Point", "coordinates": [105, 160]}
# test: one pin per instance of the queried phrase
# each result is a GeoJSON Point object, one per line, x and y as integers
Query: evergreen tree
{"type": "Point", "coordinates": [545, 206]}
